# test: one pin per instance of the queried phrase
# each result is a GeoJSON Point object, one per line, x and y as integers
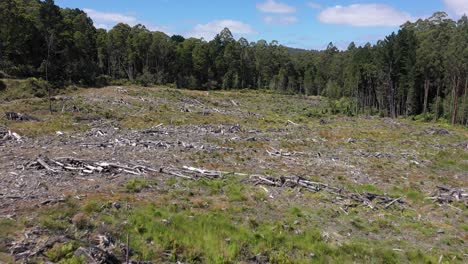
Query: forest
{"type": "Point", "coordinates": [421, 70]}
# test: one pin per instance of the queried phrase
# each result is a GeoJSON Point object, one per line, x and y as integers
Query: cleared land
{"type": "Point", "coordinates": [225, 177]}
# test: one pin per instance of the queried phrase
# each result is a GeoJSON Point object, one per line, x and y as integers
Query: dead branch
{"type": "Point", "coordinates": [20, 117]}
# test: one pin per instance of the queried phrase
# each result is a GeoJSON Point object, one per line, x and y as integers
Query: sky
{"type": "Point", "coordinates": [295, 23]}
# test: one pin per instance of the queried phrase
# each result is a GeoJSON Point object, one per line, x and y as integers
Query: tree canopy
{"type": "Point", "coordinates": [421, 69]}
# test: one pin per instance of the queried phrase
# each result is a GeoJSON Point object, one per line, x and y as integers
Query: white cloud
{"type": "Point", "coordinates": [103, 26]}
{"type": "Point", "coordinates": [280, 20]}
{"type": "Point", "coordinates": [271, 6]}
{"type": "Point", "coordinates": [208, 31]}
{"type": "Point", "coordinates": [107, 20]}
{"type": "Point", "coordinates": [364, 15]}
{"type": "Point", "coordinates": [459, 7]}
{"type": "Point", "coordinates": [314, 5]}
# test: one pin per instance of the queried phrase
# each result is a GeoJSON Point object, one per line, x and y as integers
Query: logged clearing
{"type": "Point", "coordinates": [160, 175]}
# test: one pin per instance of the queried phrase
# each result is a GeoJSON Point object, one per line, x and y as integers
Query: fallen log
{"type": "Point", "coordinates": [447, 195]}
{"type": "Point", "coordinates": [370, 200]}
{"type": "Point", "coordinates": [20, 117]}
{"type": "Point", "coordinates": [87, 167]}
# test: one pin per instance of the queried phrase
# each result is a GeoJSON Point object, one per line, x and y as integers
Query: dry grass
{"type": "Point", "coordinates": [229, 220]}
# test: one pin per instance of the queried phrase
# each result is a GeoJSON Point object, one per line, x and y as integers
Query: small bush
{"type": "Point", "coordinates": [344, 106]}
{"type": "Point", "coordinates": [296, 212]}
{"type": "Point", "coordinates": [81, 221]}
{"type": "Point", "coordinates": [61, 251]}
{"type": "Point", "coordinates": [39, 87]}
{"type": "Point", "coordinates": [427, 117]}
{"type": "Point", "coordinates": [146, 79]}
{"type": "Point", "coordinates": [103, 80]}
{"type": "Point", "coordinates": [136, 185]}
{"type": "Point", "coordinates": [236, 193]}
{"type": "Point", "coordinates": [91, 207]}
{"type": "Point", "coordinates": [121, 82]}
{"type": "Point", "coordinates": [2, 86]}
{"type": "Point", "coordinates": [313, 113]}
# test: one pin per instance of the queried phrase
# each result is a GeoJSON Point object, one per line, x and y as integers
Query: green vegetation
{"type": "Point", "coordinates": [177, 232]}
{"type": "Point", "coordinates": [12, 89]}
{"type": "Point", "coordinates": [136, 185]}
{"type": "Point", "coordinates": [63, 253]}
{"type": "Point", "coordinates": [230, 219]}
{"type": "Point", "coordinates": [2, 86]}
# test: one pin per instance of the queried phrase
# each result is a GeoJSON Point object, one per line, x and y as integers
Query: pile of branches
{"type": "Point", "coordinates": [20, 117]}
{"type": "Point", "coordinates": [144, 139]}
{"type": "Point", "coordinates": [446, 195]}
{"type": "Point", "coordinates": [7, 135]}
{"type": "Point", "coordinates": [436, 131]}
{"type": "Point", "coordinates": [86, 166]}
{"type": "Point", "coordinates": [192, 173]}
{"type": "Point", "coordinates": [150, 144]}
{"type": "Point", "coordinates": [32, 245]}
{"type": "Point", "coordinates": [281, 153]}
{"type": "Point", "coordinates": [371, 200]}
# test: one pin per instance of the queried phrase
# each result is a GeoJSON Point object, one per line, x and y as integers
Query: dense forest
{"type": "Point", "coordinates": [420, 70]}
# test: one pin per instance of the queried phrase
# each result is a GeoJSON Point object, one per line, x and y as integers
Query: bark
{"type": "Point", "coordinates": [50, 41]}
{"type": "Point", "coordinates": [455, 100]}
{"type": "Point", "coordinates": [426, 94]}
{"type": "Point", "coordinates": [438, 101]}
{"type": "Point", "coordinates": [464, 101]}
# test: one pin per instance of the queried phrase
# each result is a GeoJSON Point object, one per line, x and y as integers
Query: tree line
{"type": "Point", "coordinates": [420, 70]}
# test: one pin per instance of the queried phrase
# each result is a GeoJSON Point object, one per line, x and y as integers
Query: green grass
{"type": "Point", "coordinates": [230, 220]}
{"type": "Point", "coordinates": [162, 232]}
{"type": "Point", "coordinates": [369, 188]}
{"type": "Point", "coordinates": [22, 89]}
{"type": "Point", "coordinates": [63, 253]}
{"type": "Point", "coordinates": [452, 159]}
{"type": "Point", "coordinates": [58, 220]}
{"type": "Point", "coordinates": [8, 228]}
{"type": "Point", "coordinates": [136, 185]}
{"type": "Point", "coordinates": [217, 238]}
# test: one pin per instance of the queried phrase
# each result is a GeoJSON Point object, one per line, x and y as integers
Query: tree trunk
{"type": "Point", "coordinates": [455, 100]}
{"type": "Point", "coordinates": [437, 101]}
{"type": "Point", "coordinates": [426, 94]}
{"type": "Point", "coordinates": [465, 103]}
{"type": "Point", "coordinates": [50, 40]}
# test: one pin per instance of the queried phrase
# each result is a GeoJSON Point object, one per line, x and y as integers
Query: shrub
{"type": "Point", "coordinates": [313, 113]}
{"type": "Point", "coordinates": [3, 75]}
{"type": "Point", "coordinates": [146, 79]}
{"type": "Point", "coordinates": [2, 86]}
{"type": "Point", "coordinates": [81, 221]}
{"type": "Point", "coordinates": [103, 80]}
{"type": "Point", "coordinates": [61, 251]}
{"type": "Point", "coordinates": [427, 117]}
{"type": "Point", "coordinates": [91, 207]}
{"type": "Point", "coordinates": [136, 185]}
{"type": "Point", "coordinates": [38, 87]}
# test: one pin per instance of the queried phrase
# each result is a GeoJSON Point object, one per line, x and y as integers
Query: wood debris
{"type": "Point", "coordinates": [32, 245]}
{"type": "Point", "coordinates": [87, 166]}
{"type": "Point", "coordinates": [293, 123]}
{"type": "Point", "coordinates": [20, 117]}
{"type": "Point", "coordinates": [281, 153]}
{"type": "Point", "coordinates": [193, 173]}
{"type": "Point", "coordinates": [446, 195]}
{"type": "Point", "coordinates": [371, 200]}
{"type": "Point", "coordinates": [436, 131]}
{"type": "Point", "coordinates": [8, 135]}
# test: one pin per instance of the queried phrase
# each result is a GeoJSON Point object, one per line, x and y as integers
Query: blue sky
{"type": "Point", "coordinates": [296, 23]}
